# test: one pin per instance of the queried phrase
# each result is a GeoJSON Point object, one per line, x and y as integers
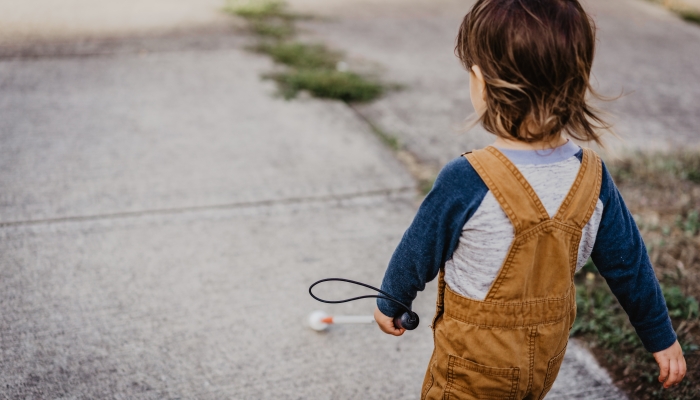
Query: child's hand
{"type": "Point", "coordinates": [671, 364]}
{"type": "Point", "coordinates": [386, 324]}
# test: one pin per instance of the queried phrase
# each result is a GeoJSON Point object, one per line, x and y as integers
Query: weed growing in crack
{"type": "Point", "coordinates": [309, 67]}
{"type": "Point", "coordinates": [257, 9]}
{"type": "Point", "coordinates": [330, 84]}
{"type": "Point", "coordinates": [275, 30]}
{"type": "Point", "coordinates": [301, 55]}
{"type": "Point", "coordinates": [268, 19]}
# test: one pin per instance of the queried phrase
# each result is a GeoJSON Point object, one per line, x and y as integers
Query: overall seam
{"type": "Point", "coordinates": [537, 323]}
{"type": "Point", "coordinates": [509, 303]}
{"type": "Point", "coordinates": [573, 255]}
{"type": "Point", "coordinates": [480, 325]}
{"type": "Point", "coordinates": [533, 334]}
{"type": "Point", "coordinates": [450, 376]}
{"type": "Point", "coordinates": [516, 381]}
{"type": "Point", "coordinates": [545, 225]}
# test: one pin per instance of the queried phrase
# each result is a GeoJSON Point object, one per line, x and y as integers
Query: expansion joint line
{"type": "Point", "coordinates": [227, 206]}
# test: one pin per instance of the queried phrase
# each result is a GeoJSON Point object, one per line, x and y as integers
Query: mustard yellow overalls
{"type": "Point", "coordinates": [511, 344]}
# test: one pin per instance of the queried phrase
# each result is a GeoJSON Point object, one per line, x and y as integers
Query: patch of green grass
{"type": "Point", "coordinates": [657, 169]}
{"type": "Point", "coordinates": [257, 9]}
{"type": "Point", "coordinates": [276, 30]}
{"type": "Point", "coordinates": [267, 18]}
{"type": "Point", "coordinates": [311, 67]}
{"type": "Point", "coordinates": [329, 84]}
{"type": "Point", "coordinates": [301, 55]}
{"type": "Point", "coordinates": [679, 305]}
{"type": "Point", "coordinates": [598, 313]}
{"type": "Point", "coordinates": [691, 223]}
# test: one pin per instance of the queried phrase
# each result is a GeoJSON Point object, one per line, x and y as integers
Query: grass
{"type": "Point", "coordinates": [308, 67]}
{"type": "Point", "coordinates": [272, 29]}
{"type": "Point", "coordinates": [301, 55]}
{"type": "Point", "coordinates": [258, 9]}
{"type": "Point", "coordinates": [659, 170]}
{"type": "Point", "coordinates": [266, 18]}
{"type": "Point", "coordinates": [330, 84]}
{"type": "Point", "coordinates": [663, 193]}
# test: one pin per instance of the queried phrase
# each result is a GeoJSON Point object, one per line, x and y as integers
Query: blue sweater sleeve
{"type": "Point", "coordinates": [621, 257]}
{"type": "Point", "coordinates": [433, 235]}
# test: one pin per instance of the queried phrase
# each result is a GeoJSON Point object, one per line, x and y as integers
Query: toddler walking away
{"type": "Point", "coordinates": [506, 227]}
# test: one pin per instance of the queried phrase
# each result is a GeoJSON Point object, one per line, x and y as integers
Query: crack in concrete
{"type": "Point", "coordinates": [422, 172]}
{"type": "Point", "coordinates": [227, 206]}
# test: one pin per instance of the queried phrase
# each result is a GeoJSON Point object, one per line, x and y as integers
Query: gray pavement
{"type": "Point", "coordinates": [162, 217]}
{"type": "Point", "coordinates": [162, 213]}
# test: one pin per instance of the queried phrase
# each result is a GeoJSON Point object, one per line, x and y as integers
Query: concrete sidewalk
{"type": "Point", "coordinates": [162, 217]}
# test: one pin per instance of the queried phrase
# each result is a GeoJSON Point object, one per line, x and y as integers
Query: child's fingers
{"type": "Point", "coordinates": [386, 324]}
{"type": "Point", "coordinates": [388, 327]}
{"type": "Point", "coordinates": [664, 366]}
{"type": "Point", "coordinates": [392, 329]}
{"type": "Point", "coordinates": [398, 332]}
{"type": "Point", "coordinates": [673, 375]}
{"type": "Point", "coordinates": [683, 368]}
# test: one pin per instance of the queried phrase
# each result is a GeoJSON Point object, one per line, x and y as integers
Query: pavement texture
{"type": "Point", "coordinates": [162, 213]}
{"type": "Point", "coordinates": [162, 217]}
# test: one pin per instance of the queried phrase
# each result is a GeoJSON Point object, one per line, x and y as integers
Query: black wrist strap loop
{"type": "Point", "coordinates": [386, 296]}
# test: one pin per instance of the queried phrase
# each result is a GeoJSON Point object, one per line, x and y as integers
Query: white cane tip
{"type": "Point", "coordinates": [316, 321]}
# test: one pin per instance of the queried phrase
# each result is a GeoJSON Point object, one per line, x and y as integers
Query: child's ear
{"type": "Point", "coordinates": [478, 77]}
{"type": "Point", "coordinates": [476, 71]}
{"type": "Point", "coordinates": [477, 89]}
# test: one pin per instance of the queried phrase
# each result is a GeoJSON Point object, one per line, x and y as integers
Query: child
{"type": "Point", "coordinates": [506, 227]}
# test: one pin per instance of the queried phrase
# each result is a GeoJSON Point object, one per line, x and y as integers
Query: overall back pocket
{"type": "Point", "coordinates": [552, 372]}
{"type": "Point", "coordinates": [467, 380]}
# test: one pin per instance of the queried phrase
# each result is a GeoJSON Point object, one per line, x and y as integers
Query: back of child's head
{"type": "Point", "coordinates": [536, 57]}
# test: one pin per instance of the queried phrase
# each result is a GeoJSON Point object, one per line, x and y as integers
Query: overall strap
{"type": "Point", "coordinates": [580, 202]}
{"type": "Point", "coordinates": [510, 188]}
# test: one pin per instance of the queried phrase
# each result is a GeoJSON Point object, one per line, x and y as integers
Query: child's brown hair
{"type": "Point", "coordinates": [536, 57]}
